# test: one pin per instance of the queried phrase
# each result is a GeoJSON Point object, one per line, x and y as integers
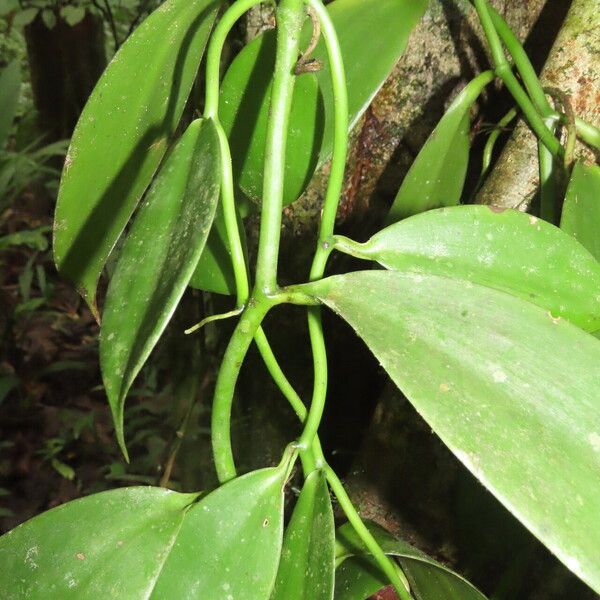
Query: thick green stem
{"type": "Point", "coordinates": [504, 71]}
{"type": "Point", "coordinates": [290, 16]}
{"type": "Point", "coordinates": [249, 328]}
{"type": "Point", "coordinates": [238, 258]}
{"type": "Point", "coordinates": [225, 387]}
{"type": "Point", "coordinates": [589, 133]}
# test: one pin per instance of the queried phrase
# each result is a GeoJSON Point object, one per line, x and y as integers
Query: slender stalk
{"type": "Point", "coordinates": [249, 328]}
{"type": "Point", "coordinates": [488, 151]}
{"type": "Point", "coordinates": [315, 459]}
{"type": "Point", "coordinates": [548, 175]}
{"type": "Point", "coordinates": [504, 71]}
{"type": "Point", "coordinates": [225, 387]}
{"type": "Point", "coordinates": [215, 50]}
{"type": "Point", "coordinates": [332, 198]}
{"type": "Point", "coordinates": [211, 111]}
{"type": "Point", "coordinates": [290, 16]}
{"type": "Point", "coordinates": [393, 572]}
{"type": "Point", "coordinates": [340, 139]}
{"type": "Point", "coordinates": [524, 67]}
{"type": "Point", "coordinates": [238, 258]}
{"type": "Point", "coordinates": [306, 455]}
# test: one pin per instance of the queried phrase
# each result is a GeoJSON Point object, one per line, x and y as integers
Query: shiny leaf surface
{"type": "Point", "coordinates": [368, 60]}
{"type": "Point", "coordinates": [510, 390]}
{"type": "Point", "coordinates": [10, 89]}
{"type": "Point", "coordinates": [158, 259]}
{"type": "Point", "coordinates": [581, 209]}
{"type": "Point", "coordinates": [229, 545]}
{"type": "Point", "coordinates": [112, 544]}
{"type": "Point", "coordinates": [123, 134]}
{"type": "Point", "coordinates": [214, 272]}
{"type": "Point", "coordinates": [140, 543]}
{"type": "Point", "coordinates": [306, 569]}
{"type": "Point", "coordinates": [358, 576]}
{"type": "Point", "coordinates": [503, 249]}
{"type": "Point", "coordinates": [437, 176]}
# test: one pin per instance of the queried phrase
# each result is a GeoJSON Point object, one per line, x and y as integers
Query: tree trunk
{"type": "Point", "coordinates": [65, 62]}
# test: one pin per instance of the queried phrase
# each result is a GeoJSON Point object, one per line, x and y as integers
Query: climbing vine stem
{"type": "Point", "coordinates": [332, 198]}
{"type": "Point", "coordinates": [503, 70]}
{"type": "Point", "coordinates": [290, 16]}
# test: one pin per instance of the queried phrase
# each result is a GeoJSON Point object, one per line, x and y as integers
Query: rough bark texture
{"type": "Point", "coordinates": [573, 66]}
{"type": "Point", "coordinates": [66, 62]}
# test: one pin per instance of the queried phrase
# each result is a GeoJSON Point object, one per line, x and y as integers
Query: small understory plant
{"type": "Point", "coordinates": [486, 319]}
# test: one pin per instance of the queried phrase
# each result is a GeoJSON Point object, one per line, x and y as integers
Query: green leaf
{"type": "Point", "coordinates": [158, 259]}
{"type": "Point", "coordinates": [358, 576]}
{"type": "Point", "coordinates": [503, 249]}
{"type": "Point", "coordinates": [72, 14]}
{"type": "Point", "coordinates": [112, 544]}
{"type": "Point", "coordinates": [25, 17]}
{"type": "Point", "coordinates": [437, 176]}
{"type": "Point", "coordinates": [10, 89]}
{"type": "Point", "coordinates": [230, 544]}
{"type": "Point", "coordinates": [368, 60]}
{"type": "Point", "coordinates": [34, 238]}
{"type": "Point", "coordinates": [8, 6]}
{"type": "Point", "coordinates": [214, 272]}
{"type": "Point", "coordinates": [510, 390]}
{"type": "Point", "coordinates": [139, 543]}
{"type": "Point", "coordinates": [581, 209]}
{"type": "Point", "coordinates": [122, 136]}
{"type": "Point", "coordinates": [306, 570]}
{"type": "Point", "coordinates": [49, 18]}
{"type": "Point", "coordinates": [7, 384]}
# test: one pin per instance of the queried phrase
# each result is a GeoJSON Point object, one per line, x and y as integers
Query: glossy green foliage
{"type": "Point", "coordinates": [359, 577]}
{"type": "Point", "coordinates": [158, 259]}
{"type": "Point", "coordinates": [306, 569]}
{"type": "Point", "coordinates": [123, 134]}
{"type": "Point", "coordinates": [231, 543]}
{"type": "Point", "coordinates": [504, 249]}
{"type": "Point", "coordinates": [140, 543]}
{"type": "Point", "coordinates": [368, 60]}
{"type": "Point", "coordinates": [104, 545]}
{"type": "Point", "coordinates": [214, 272]}
{"type": "Point", "coordinates": [581, 209]}
{"type": "Point", "coordinates": [437, 176]}
{"type": "Point", "coordinates": [10, 89]}
{"type": "Point", "coordinates": [490, 373]}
